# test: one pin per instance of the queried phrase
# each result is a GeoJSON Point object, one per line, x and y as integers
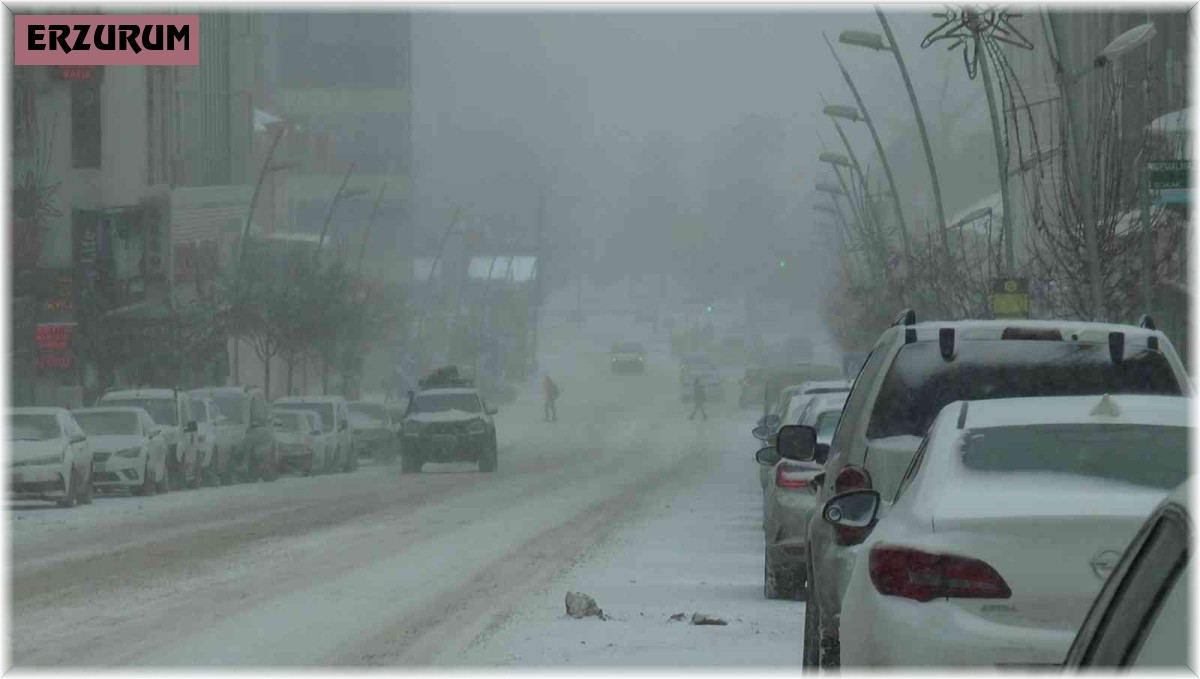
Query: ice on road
{"type": "Point", "coordinates": [622, 499]}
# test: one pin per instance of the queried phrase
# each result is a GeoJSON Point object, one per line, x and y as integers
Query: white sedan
{"type": "Point", "coordinates": [128, 449]}
{"type": "Point", "coordinates": [51, 458]}
{"type": "Point", "coordinates": [1004, 528]}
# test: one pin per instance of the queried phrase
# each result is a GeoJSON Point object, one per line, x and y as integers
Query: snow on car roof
{"type": "Point", "coordinates": [823, 384]}
{"type": "Point", "coordinates": [827, 402]}
{"type": "Point", "coordinates": [110, 409]}
{"type": "Point", "coordinates": [449, 390]}
{"type": "Point", "coordinates": [1083, 331]}
{"type": "Point", "coordinates": [309, 399]}
{"type": "Point", "coordinates": [1130, 409]}
{"type": "Point", "coordinates": [140, 393]}
{"type": "Point", "coordinates": [36, 411]}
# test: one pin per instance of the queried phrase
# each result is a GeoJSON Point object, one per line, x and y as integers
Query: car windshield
{"type": "Point", "coordinates": [827, 423]}
{"type": "Point", "coordinates": [291, 422]}
{"type": "Point", "coordinates": [441, 402]}
{"type": "Point", "coordinates": [362, 420]}
{"type": "Point", "coordinates": [1144, 455]}
{"type": "Point", "coordinates": [104, 423]}
{"type": "Point", "coordinates": [920, 382]}
{"type": "Point", "coordinates": [373, 412]}
{"type": "Point", "coordinates": [31, 427]}
{"type": "Point", "coordinates": [324, 409]}
{"type": "Point", "coordinates": [162, 410]}
{"type": "Point", "coordinates": [229, 405]}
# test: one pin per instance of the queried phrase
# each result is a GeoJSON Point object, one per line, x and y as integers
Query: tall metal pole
{"type": "Point", "coordinates": [912, 97]}
{"type": "Point", "coordinates": [262, 174]}
{"type": "Point", "coordinates": [362, 253]}
{"type": "Point", "coordinates": [539, 269]}
{"type": "Point", "coordinates": [329, 217]}
{"type": "Point", "coordinates": [870, 225]}
{"type": "Point", "coordinates": [1144, 176]}
{"type": "Point", "coordinates": [1083, 176]}
{"type": "Point", "coordinates": [887, 168]}
{"type": "Point", "coordinates": [1001, 168]}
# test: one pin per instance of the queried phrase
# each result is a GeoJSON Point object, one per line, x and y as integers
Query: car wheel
{"type": "Point", "coordinates": [147, 487]}
{"type": "Point", "coordinates": [162, 483]}
{"type": "Point", "coordinates": [85, 496]}
{"type": "Point", "coordinates": [270, 470]}
{"type": "Point", "coordinates": [811, 658]}
{"type": "Point", "coordinates": [487, 461]}
{"type": "Point", "coordinates": [68, 499]}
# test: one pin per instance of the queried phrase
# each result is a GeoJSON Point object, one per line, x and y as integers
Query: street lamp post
{"type": "Point", "coordinates": [861, 113]}
{"type": "Point", "coordinates": [1122, 44]}
{"type": "Point", "coordinates": [875, 42]}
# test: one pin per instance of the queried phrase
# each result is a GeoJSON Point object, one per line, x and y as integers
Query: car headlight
{"type": "Point", "coordinates": [130, 452]}
{"type": "Point", "coordinates": [476, 427]}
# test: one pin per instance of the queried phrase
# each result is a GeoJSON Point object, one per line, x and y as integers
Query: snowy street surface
{"type": "Point", "coordinates": [622, 499]}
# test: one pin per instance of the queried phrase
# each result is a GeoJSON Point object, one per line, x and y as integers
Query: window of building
{"type": "Point", "coordinates": [85, 125]}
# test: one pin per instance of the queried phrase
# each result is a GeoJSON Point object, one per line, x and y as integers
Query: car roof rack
{"type": "Point", "coordinates": [445, 376]}
{"type": "Point", "coordinates": [906, 317]}
{"type": "Point", "coordinates": [1147, 322]}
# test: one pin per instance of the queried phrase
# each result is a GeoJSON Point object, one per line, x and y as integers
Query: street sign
{"type": "Point", "coordinates": [1169, 181]}
{"type": "Point", "coordinates": [1010, 298]}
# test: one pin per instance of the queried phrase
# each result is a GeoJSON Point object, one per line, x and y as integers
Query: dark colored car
{"type": "Point", "coordinates": [371, 426]}
{"type": "Point", "coordinates": [628, 359]}
{"type": "Point", "coordinates": [448, 424]}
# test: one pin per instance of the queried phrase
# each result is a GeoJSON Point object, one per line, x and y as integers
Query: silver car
{"type": "Point", "coordinates": [790, 498]}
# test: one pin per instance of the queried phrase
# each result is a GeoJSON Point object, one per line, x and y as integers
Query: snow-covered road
{"type": "Point", "coordinates": [622, 499]}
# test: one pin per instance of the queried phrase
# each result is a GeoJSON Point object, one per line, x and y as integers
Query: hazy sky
{"type": "Point", "coordinates": [507, 102]}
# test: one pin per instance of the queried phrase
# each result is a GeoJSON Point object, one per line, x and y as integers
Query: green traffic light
{"type": "Point", "coordinates": [708, 309]}
{"type": "Point", "coordinates": [782, 263]}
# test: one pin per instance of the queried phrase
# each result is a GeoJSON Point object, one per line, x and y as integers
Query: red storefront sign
{"type": "Point", "coordinates": [54, 346]}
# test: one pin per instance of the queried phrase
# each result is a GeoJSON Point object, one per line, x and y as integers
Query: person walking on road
{"type": "Point", "coordinates": [698, 400]}
{"type": "Point", "coordinates": [550, 392]}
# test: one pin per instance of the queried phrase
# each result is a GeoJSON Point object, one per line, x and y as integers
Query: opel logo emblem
{"type": "Point", "coordinates": [1104, 563]}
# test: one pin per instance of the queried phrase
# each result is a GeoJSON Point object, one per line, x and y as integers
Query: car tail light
{"type": "Point", "coordinates": [851, 478]}
{"type": "Point", "coordinates": [921, 576]}
{"type": "Point", "coordinates": [789, 478]}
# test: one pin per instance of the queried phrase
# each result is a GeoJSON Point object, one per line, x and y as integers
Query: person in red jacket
{"type": "Point", "coordinates": [550, 392]}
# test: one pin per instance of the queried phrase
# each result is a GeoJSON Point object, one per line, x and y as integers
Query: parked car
{"type": "Point", "coordinates": [324, 442]}
{"type": "Point", "coordinates": [208, 434]}
{"type": "Point", "coordinates": [915, 370]}
{"type": "Point", "coordinates": [628, 358]}
{"type": "Point", "coordinates": [1140, 620]}
{"type": "Point", "coordinates": [371, 427]}
{"type": "Point", "coordinates": [128, 449]}
{"type": "Point", "coordinates": [294, 433]}
{"type": "Point", "coordinates": [1004, 528]}
{"type": "Point", "coordinates": [335, 419]}
{"type": "Point", "coordinates": [175, 412]}
{"type": "Point", "coordinates": [248, 428]}
{"type": "Point", "coordinates": [763, 385]}
{"type": "Point", "coordinates": [449, 424]}
{"type": "Point", "coordinates": [51, 457]}
{"type": "Point", "coordinates": [793, 401]}
{"type": "Point", "coordinates": [789, 501]}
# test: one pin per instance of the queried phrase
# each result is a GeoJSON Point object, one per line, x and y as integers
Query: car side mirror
{"type": "Point", "coordinates": [191, 427]}
{"type": "Point", "coordinates": [762, 432]}
{"type": "Point", "coordinates": [821, 454]}
{"type": "Point", "coordinates": [772, 420]}
{"type": "Point", "coordinates": [78, 439]}
{"type": "Point", "coordinates": [797, 442]}
{"type": "Point", "coordinates": [852, 509]}
{"type": "Point", "coordinates": [767, 456]}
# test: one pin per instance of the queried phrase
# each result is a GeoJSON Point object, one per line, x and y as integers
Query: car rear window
{"type": "Point", "coordinates": [920, 383]}
{"type": "Point", "coordinates": [1154, 456]}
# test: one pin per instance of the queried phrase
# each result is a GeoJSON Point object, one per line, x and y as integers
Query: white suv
{"type": "Point", "coordinates": [914, 371]}
{"type": "Point", "coordinates": [175, 412]}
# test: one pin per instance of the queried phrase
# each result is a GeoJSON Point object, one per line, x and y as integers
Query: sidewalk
{"type": "Point", "coordinates": [696, 548]}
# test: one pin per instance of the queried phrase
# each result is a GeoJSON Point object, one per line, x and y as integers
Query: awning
{"type": "Point", "coordinates": [262, 119]}
{"type": "Point", "coordinates": [1175, 122]}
